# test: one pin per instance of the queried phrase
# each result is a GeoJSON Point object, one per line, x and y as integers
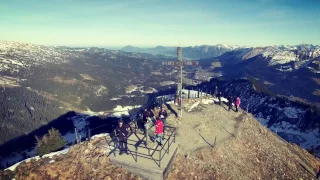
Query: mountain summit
{"type": "Point", "coordinates": [214, 144]}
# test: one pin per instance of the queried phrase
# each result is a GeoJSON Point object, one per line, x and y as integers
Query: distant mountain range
{"type": "Point", "coordinates": [191, 52]}
{"type": "Point", "coordinates": [292, 71]}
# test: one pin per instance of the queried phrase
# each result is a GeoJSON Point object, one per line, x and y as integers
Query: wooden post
{"type": "Point", "coordinates": [189, 94]}
{"type": "Point", "coordinates": [198, 93]}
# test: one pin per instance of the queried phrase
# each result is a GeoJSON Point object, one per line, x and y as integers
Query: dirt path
{"type": "Point", "coordinates": [202, 127]}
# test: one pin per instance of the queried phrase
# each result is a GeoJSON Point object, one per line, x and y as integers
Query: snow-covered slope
{"type": "Point", "coordinates": [279, 55]}
{"type": "Point", "coordinates": [16, 55]}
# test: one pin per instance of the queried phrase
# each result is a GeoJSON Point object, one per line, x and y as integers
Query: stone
{"type": "Point", "coordinates": [87, 151]}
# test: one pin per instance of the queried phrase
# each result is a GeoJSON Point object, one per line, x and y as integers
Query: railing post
{"type": "Point", "coordinates": [160, 158]}
{"type": "Point", "coordinates": [136, 153]}
{"type": "Point", "coordinates": [169, 144]}
{"type": "Point", "coordinates": [89, 134]}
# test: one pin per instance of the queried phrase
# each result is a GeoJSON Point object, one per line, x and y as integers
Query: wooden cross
{"type": "Point", "coordinates": [180, 63]}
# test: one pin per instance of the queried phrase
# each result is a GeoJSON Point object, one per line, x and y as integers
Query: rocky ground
{"type": "Point", "coordinates": [214, 144]}
{"type": "Point", "coordinates": [248, 151]}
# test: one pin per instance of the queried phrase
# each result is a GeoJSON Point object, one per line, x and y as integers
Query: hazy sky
{"type": "Point", "coordinates": [160, 22]}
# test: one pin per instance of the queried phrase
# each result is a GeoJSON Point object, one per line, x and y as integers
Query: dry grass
{"type": "Point", "coordinates": [86, 161]}
{"type": "Point", "coordinates": [255, 153]}
{"type": "Point", "coordinates": [86, 77]}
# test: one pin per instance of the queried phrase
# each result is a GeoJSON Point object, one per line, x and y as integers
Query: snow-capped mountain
{"type": "Point", "coordinates": [292, 71]}
{"type": "Point", "coordinates": [16, 55]}
{"type": "Point", "coordinates": [191, 52]}
{"type": "Point", "coordinates": [300, 55]}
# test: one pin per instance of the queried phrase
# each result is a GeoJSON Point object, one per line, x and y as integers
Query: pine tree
{"type": "Point", "coordinates": [50, 142]}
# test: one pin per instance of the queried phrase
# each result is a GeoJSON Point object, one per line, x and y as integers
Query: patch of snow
{"type": "Point", "coordinates": [69, 137]}
{"type": "Point", "coordinates": [113, 99]}
{"type": "Point", "coordinates": [291, 112]}
{"type": "Point", "coordinates": [100, 135]}
{"type": "Point", "coordinates": [120, 111]}
{"type": "Point", "coordinates": [196, 104]}
{"type": "Point", "coordinates": [222, 100]}
{"type": "Point", "coordinates": [170, 102]}
{"type": "Point", "coordinates": [92, 113]}
{"type": "Point", "coordinates": [193, 93]}
{"type": "Point", "coordinates": [207, 101]}
{"type": "Point", "coordinates": [100, 90]}
{"type": "Point", "coordinates": [50, 155]}
{"type": "Point", "coordinates": [130, 90]}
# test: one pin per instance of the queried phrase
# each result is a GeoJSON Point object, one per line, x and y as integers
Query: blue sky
{"type": "Point", "coordinates": [160, 22]}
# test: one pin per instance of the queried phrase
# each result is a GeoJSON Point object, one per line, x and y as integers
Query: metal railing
{"type": "Point", "coordinates": [163, 150]}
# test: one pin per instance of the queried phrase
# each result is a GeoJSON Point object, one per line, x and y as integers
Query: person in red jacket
{"type": "Point", "coordinates": [237, 104]}
{"type": "Point", "coordinates": [159, 131]}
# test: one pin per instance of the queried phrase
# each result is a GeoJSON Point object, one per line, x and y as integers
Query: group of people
{"type": "Point", "coordinates": [159, 121]}
{"type": "Point", "coordinates": [230, 100]}
{"type": "Point", "coordinates": [149, 120]}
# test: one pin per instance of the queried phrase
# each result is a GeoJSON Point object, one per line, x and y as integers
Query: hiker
{"type": "Point", "coordinates": [219, 97]}
{"type": "Point", "coordinates": [122, 132]}
{"type": "Point", "coordinates": [237, 103]}
{"type": "Point", "coordinates": [147, 126]}
{"type": "Point", "coordinates": [145, 115]}
{"type": "Point", "coordinates": [163, 116]}
{"type": "Point", "coordinates": [215, 92]}
{"type": "Point", "coordinates": [159, 131]}
{"type": "Point", "coordinates": [152, 117]}
{"type": "Point", "coordinates": [229, 103]}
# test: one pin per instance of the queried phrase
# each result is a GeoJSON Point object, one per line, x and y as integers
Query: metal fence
{"type": "Point", "coordinates": [170, 137]}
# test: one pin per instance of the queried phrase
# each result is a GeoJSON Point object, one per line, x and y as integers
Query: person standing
{"type": "Point", "coordinates": [219, 97]}
{"type": "Point", "coordinates": [229, 103]}
{"type": "Point", "coordinates": [147, 126]}
{"type": "Point", "coordinates": [145, 115]}
{"type": "Point", "coordinates": [215, 92]}
{"type": "Point", "coordinates": [237, 103]}
{"type": "Point", "coordinates": [163, 116]}
{"type": "Point", "coordinates": [159, 131]}
{"type": "Point", "coordinates": [122, 132]}
{"type": "Point", "coordinates": [152, 117]}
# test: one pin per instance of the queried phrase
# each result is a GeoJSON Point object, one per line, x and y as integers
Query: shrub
{"type": "Point", "coordinates": [50, 142]}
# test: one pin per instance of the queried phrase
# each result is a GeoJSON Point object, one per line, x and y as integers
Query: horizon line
{"type": "Point", "coordinates": [151, 46]}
